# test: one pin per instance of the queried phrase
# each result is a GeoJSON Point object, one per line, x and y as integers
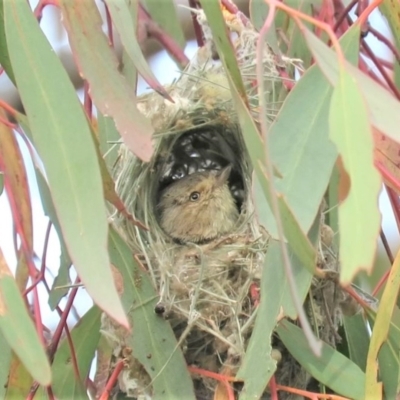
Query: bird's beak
{"type": "Point", "coordinates": [223, 176]}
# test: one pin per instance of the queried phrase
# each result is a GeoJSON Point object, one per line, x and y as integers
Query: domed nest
{"type": "Point", "coordinates": [204, 289]}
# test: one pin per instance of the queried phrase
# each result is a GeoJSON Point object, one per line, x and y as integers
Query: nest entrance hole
{"type": "Point", "coordinates": [210, 147]}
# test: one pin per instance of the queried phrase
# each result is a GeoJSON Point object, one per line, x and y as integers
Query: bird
{"type": "Point", "coordinates": [199, 207]}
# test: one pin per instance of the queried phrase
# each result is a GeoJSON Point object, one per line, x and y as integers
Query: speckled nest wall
{"type": "Point", "coordinates": [204, 289]}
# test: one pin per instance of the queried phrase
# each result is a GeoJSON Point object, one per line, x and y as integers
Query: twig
{"type": "Point", "coordinates": [386, 41]}
{"type": "Point", "coordinates": [344, 12]}
{"type": "Point", "coordinates": [194, 5]}
{"type": "Point", "coordinates": [153, 30]}
{"type": "Point", "coordinates": [111, 382]}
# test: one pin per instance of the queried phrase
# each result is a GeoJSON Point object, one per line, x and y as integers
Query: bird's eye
{"type": "Point", "coordinates": [194, 196]}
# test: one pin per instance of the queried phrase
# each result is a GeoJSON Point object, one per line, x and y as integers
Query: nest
{"type": "Point", "coordinates": [204, 289]}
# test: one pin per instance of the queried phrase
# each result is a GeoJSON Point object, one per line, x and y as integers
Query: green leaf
{"type": "Point", "coordinates": [108, 140]}
{"type": "Point", "coordinates": [381, 329]}
{"type": "Point", "coordinates": [303, 152]}
{"type": "Point", "coordinates": [123, 24]}
{"type": "Point", "coordinates": [391, 11]}
{"type": "Point", "coordinates": [85, 337]}
{"type": "Point", "coordinates": [19, 380]}
{"type": "Point", "coordinates": [17, 328]}
{"type": "Point", "coordinates": [257, 366]}
{"type": "Point", "coordinates": [166, 15]}
{"type": "Point", "coordinates": [382, 106]}
{"type": "Point", "coordinates": [12, 164]}
{"type": "Point", "coordinates": [62, 278]}
{"type": "Point", "coordinates": [352, 134]}
{"type": "Point", "coordinates": [152, 341]}
{"type": "Point", "coordinates": [62, 281]}
{"type": "Point", "coordinates": [5, 363]}
{"type": "Point", "coordinates": [357, 338]}
{"type": "Point", "coordinates": [63, 139]}
{"type": "Point", "coordinates": [4, 56]}
{"type": "Point", "coordinates": [98, 64]}
{"type": "Point", "coordinates": [258, 10]}
{"type": "Point", "coordinates": [388, 358]}
{"type": "Point", "coordinates": [223, 44]}
{"type": "Point", "coordinates": [332, 368]}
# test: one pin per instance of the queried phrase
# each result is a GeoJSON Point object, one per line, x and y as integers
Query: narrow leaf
{"type": "Point", "coordinates": [152, 341]}
{"type": "Point", "coordinates": [85, 336]}
{"type": "Point", "coordinates": [19, 380]}
{"type": "Point", "coordinates": [257, 366]}
{"type": "Point", "coordinates": [108, 140]}
{"type": "Point", "coordinates": [18, 330]}
{"type": "Point", "coordinates": [357, 338]}
{"type": "Point", "coordinates": [223, 44]}
{"type": "Point", "coordinates": [383, 108]}
{"type": "Point", "coordinates": [4, 56]}
{"type": "Point", "coordinates": [5, 363]}
{"type": "Point", "coordinates": [12, 165]}
{"type": "Point", "coordinates": [388, 358]}
{"type": "Point", "coordinates": [391, 11]}
{"type": "Point", "coordinates": [99, 66]}
{"type": "Point", "coordinates": [332, 368]}
{"type": "Point", "coordinates": [351, 132]}
{"type": "Point", "coordinates": [381, 329]}
{"type": "Point", "coordinates": [122, 20]}
{"type": "Point", "coordinates": [303, 152]}
{"type": "Point", "coordinates": [63, 139]}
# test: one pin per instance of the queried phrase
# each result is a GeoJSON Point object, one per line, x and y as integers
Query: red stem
{"type": "Point", "coordinates": [196, 26]}
{"type": "Point", "coordinates": [386, 41]}
{"type": "Point", "coordinates": [63, 320]}
{"type": "Point", "coordinates": [338, 5]}
{"type": "Point", "coordinates": [162, 37]}
{"type": "Point", "coordinates": [111, 382]}
{"type": "Point", "coordinates": [381, 69]}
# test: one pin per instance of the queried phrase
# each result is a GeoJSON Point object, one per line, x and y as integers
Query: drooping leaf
{"type": "Point", "coordinates": [302, 150]}
{"type": "Point", "coordinates": [85, 336]}
{"type": "Point", "coordinates": [381, 329]}
{"type": "Point", "coordinates": [351, 132]}
{"type": "Point", "coordinates": [98, 64]}
{"type": "Point", "coordinates": [5, 363]}
{"type": "Point", "coordinates": [223, 44]}
{"type": "Point", "coordinates": [391, 11]}
{"type": "Point", "coordinates": [388, 357]}
{"type": "Point", "coordinates": [332, 368]}
{"type": "Point", "coordinates": [257, 366]}
{"type": "Point", "coordinates": [18, 330]}
{"type": "Point", "coordinates": [357, 338]}
{"type": "Point", "coordinates": [123, 23]}
{"type": "Point", "coordinates": [4, 56]}
{"type": "Point", "coordinates": [19, 380]}
{"type": "Point", "coordinates": [63, 139]}
{"type": "Point", "coordinates": [12, 165]}
{"type": "Point", "coordinates": [382, 106]}
{"type": "Point", "coordinates": [108, 140]}
{"type": "Point", "coordinates": [152, 340]}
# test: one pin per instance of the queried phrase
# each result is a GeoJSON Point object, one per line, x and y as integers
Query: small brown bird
{"type": "Point", "coordinates": [199, 207]}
